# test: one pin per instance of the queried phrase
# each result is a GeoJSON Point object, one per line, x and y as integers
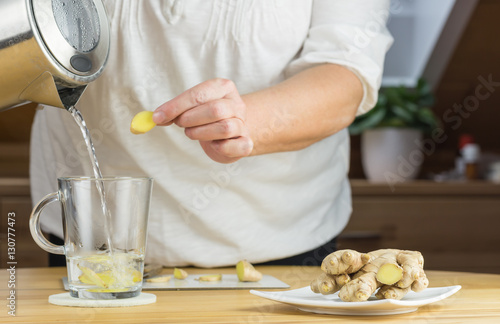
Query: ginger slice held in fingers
{"type": "Point", "coordinates": [142, 122]}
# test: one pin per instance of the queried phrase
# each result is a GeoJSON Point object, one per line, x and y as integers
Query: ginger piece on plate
{"type": "Point", "coordinates": [344, 261]}
{"type": "Point", "coordinates": [327, 284]}
{"type": "Point", "coordinates": [394, 272]}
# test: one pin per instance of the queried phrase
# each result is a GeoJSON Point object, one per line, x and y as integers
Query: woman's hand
{"type": "Point", "coordinates": [213, 113]}
{"type": "Point", "coordinates": [291, 115]}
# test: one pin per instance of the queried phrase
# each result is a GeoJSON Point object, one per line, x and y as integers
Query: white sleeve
{"type": "Point", "coordinates": [351, 33]}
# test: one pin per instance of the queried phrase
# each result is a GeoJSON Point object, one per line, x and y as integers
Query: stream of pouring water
{"type": "Point", "coordinates": [97, 173]}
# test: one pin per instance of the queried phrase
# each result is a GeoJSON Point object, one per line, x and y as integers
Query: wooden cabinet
{"type": "Point", "coordinates": [15, 200]}
{"type": "Point", "coordinates": [455, 225]}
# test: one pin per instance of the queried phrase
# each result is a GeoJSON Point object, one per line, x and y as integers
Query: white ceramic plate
{"type": "Point", "coordinates": [306, 300]}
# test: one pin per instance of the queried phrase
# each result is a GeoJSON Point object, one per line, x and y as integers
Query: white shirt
{"type": "Point", "coordinates": [204, 213]}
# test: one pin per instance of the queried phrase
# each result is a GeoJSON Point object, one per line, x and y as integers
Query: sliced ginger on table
{"type": "Point", "coordinates": [180, 274]}
{"type": "Point", "coordinates": [356, 276]}
{"type": "Point", "coordinates": [246, 272]}
{"type": "Point", "coordinates": [158, 279]}
{"type": "Point", "coordinates": [210, 278]}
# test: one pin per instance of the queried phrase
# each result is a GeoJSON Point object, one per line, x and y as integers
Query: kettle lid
{"type": "Point", "coordinates": [74, 33]}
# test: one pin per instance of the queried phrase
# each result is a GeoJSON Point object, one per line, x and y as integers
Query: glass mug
{"type": "Point", "coordinates": [105, 229]}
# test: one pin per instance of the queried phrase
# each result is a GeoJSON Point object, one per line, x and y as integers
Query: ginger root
{"type": "Point", "coordinates": [413, 267]}
{"type": "Point", "coordinates": [327, 284]}
{"type": "Point", "coordinates": [358, 275]}
{"type": "Point", "coordinates": [421, 283]}
{"type": "Point", "coordinates": [344, 261]}
{"type": "Point", "coordinates": [246, 271]}
{"type": "Point", "coordinates": [389, 273]}
{"type": "Point", "coordinates": [364, 282]}
{"type": "Point", "coordinates": [391, 292]}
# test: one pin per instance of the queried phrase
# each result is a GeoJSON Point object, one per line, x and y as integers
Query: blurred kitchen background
{"type": "Point", "coordinates": [454, 220]}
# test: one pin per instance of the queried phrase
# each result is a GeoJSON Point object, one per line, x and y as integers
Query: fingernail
{"type": "Point", "coordinates": [159, 117]}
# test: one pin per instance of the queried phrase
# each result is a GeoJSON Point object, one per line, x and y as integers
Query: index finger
{"type": "Point", "coordinates": [198, 95]}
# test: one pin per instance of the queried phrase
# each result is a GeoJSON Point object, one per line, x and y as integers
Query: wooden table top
{"type": "Point", "coordinates": [477, 302]}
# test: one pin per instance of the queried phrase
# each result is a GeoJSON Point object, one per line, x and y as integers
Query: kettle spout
{"type": "Point", "coordinates": [44, 90]}
{"type": "Point", "coordinates": [70, 96]}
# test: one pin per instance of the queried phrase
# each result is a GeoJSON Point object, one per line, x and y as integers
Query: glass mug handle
{"type": "Point", "coordinates": [35, 230]}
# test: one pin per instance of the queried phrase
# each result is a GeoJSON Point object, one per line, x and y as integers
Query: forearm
{"type": "Point", "coordinates": [303, 109]}
{"type": "Point", "coordinates": [290, 116]}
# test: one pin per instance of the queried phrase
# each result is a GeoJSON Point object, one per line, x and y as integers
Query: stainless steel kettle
{"type": "Point", "coordinates": [50, 50]}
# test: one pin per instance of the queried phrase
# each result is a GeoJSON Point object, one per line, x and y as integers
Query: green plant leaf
{"type": "Point", "coordinates": [412, 107]}
{"type": "Point", "coordinates": [426, 116]}
{"type": "Point", "coordinates": [382, 100]}
{"type": "Point", "coordinates": [426, 100]}
{"type": "Point", "coordinates": [367, 121]}
{"type": "Point", "coordinates": [392, 122]}
{"type": "Point", "coordinates": [393, 96]}
{"type": "Point", "coordinates": [423, 87]}
{"type": "Point", "coordinates": [400, 107]}
{"type": "Point", "coordinates": [404, 114]}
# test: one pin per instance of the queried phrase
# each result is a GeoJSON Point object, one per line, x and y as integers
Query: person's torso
{"type": "Point", "coordinates": [158, 50]}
